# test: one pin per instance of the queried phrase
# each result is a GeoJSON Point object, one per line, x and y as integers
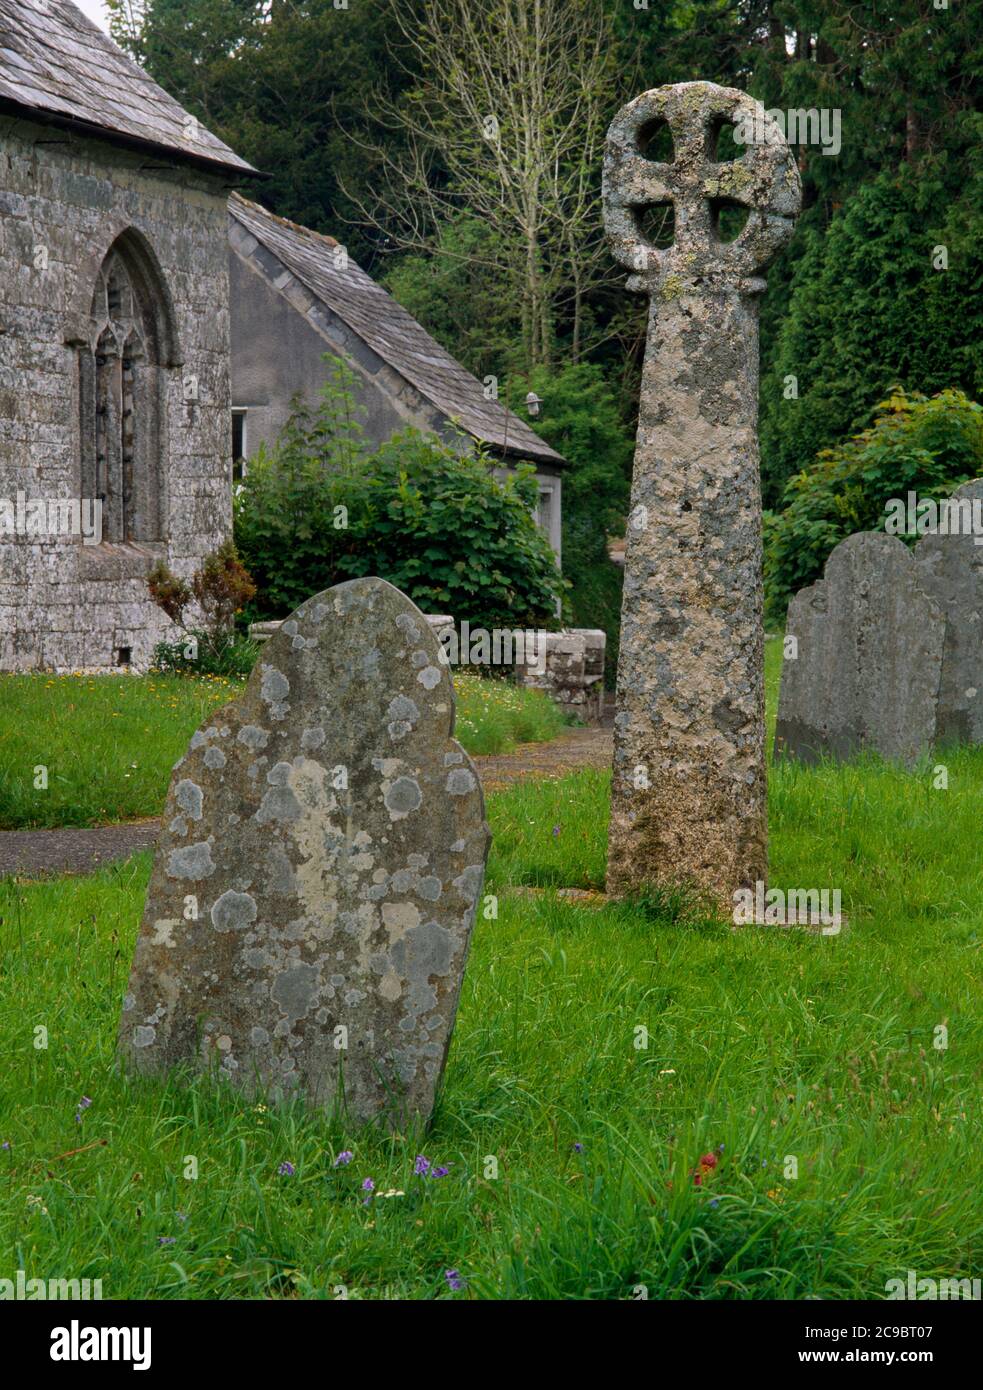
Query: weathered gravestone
{"type": "Point", "coordinates": [953, 574]}
{"type": "Point", "coordinates": [864, 666]}
{"type": "Point", "coordinates": [317, 876]}
{"type": "Point", "coordinates": [688, 797]}
{"type": "Point", "coordinates": [889, 645]}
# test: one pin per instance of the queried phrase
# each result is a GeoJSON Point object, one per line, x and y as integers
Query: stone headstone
{"type": "Point", "coordinates": [688, 794]}
{"type": "Point", "coordinates": [863, 668]}
{"type": "Point", "coordinates": [318, 872]}
{"type": "Point", "coordinates": [953, 575]}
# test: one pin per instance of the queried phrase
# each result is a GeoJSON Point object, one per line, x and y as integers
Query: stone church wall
{"type": "Point", "coordinates": [64, 201]}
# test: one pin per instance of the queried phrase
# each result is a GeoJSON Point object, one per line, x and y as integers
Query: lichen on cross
{"type": "Point", "coordinates": [764, 180]}
{"type": "Point", "coordinates": [688, 793]}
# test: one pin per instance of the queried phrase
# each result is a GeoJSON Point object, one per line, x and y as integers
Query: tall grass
{"type": "Point", "coordinates": [107, 743]}
{"type": "Point", "coordinates": [599, 1055]}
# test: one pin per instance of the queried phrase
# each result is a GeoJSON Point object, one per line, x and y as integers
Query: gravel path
{"type": "Point", "coordinates": [32, 853]}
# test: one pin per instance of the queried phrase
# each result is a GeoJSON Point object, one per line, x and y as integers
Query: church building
{"type": "Point", "coordinates": [155, 329]}
{"type": "Point", "coordinates": [115, 442]}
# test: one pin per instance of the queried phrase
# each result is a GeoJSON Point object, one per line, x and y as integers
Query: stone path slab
{"type": "Point", "coordinates": [32, 853]}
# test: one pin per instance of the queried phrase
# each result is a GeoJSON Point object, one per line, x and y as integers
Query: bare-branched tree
{"type": "Point", "coordinates": [507, 129]}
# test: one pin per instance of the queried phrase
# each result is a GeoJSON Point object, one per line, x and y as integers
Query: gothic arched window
{"type": "Point", "coordinates": [121, 385]}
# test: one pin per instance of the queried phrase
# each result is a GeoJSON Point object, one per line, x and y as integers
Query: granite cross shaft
{"type": "Point", "coordinates": [688, 796]}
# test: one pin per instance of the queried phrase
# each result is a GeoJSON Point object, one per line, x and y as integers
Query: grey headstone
{"type": "Point", "coordinates": [868, 665]}
{"type": "Point", "coordinates": [953, 575]}
{"type": "Point", "coordinates": [334, 854]}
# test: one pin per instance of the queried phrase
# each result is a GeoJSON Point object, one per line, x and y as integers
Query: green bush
{"type": "Point", "coordinates": [871, 306]}
{"type": "Point", "coordinates": [918, 444]}
{"type": "Point", "coordinates": [433, 520]}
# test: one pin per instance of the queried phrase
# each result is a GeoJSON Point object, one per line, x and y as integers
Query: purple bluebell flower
{"type": "Point", "coordinates": [578, 1148]}
{"type": "Point", "coordinates": [454, 1280]}
{"type": "Point", "coordinates": [286, 1170]}
{"type": "Point", "coordinates": [5, 1144]}
{"type": "Point", "coordinates": [166, 1240]}
{"type": "Point", "coordinates": [85, 1102]}
{"type": "Point", "coordinates": [344, 1157]}
{"type": "Point", "coordinates": [440, 1172]}
{"type": "Point", "coordinates": [368, 1185]}
{"type": "Point", "coordinates": [422, 1166]}
{"type": "Point", "coordinates": [556, 830]}
{"type": "Point", "coordinates": [715, 1202]}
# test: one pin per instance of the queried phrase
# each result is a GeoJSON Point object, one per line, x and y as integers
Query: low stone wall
{"type": "Point", "coordinates": [568, 665]}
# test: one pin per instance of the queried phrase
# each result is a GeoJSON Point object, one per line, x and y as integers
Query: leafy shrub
{"type": "Point", "coordinates": [916, 443]}
{"type": "Point", "coordinates": [221, 588]}
{"type": "Point", "coordinates": [422, 513]}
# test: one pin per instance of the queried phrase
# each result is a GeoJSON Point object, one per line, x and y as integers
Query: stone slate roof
{"type": "Point", "coordinates": [57, 63]}
{"type": "Point", "coordinates": [392, 333]}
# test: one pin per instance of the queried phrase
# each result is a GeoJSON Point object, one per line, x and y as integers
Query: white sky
{"type": "Point", "coordinates": [95, 10]}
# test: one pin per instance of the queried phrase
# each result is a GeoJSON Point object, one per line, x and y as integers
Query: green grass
{"type": "Point", "coordinates": [772, 1044]}
{"type": "Point", "coordinates": [495, 715]}
{"type": "Point", "coordinates": [109, 742]}
{"type": "Point", "coordinates": [775, 1045]}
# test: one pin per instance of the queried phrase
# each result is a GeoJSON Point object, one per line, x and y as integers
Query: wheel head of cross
{"type": "Point", "coordinates": [697, 185]}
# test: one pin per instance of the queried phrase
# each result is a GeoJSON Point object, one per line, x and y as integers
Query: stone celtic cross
{"type": "Point", "coordinates": [688, 797]}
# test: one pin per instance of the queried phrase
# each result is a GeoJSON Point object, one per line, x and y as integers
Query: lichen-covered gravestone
{"type": "Point", "coordinates": [864, 657]}
{"type": "Point", "coordinates": [952, 564]}
{"type": "Point", "coordinates": [688, 796]}
{"type": "Point", "coordinates": [318, 872]}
